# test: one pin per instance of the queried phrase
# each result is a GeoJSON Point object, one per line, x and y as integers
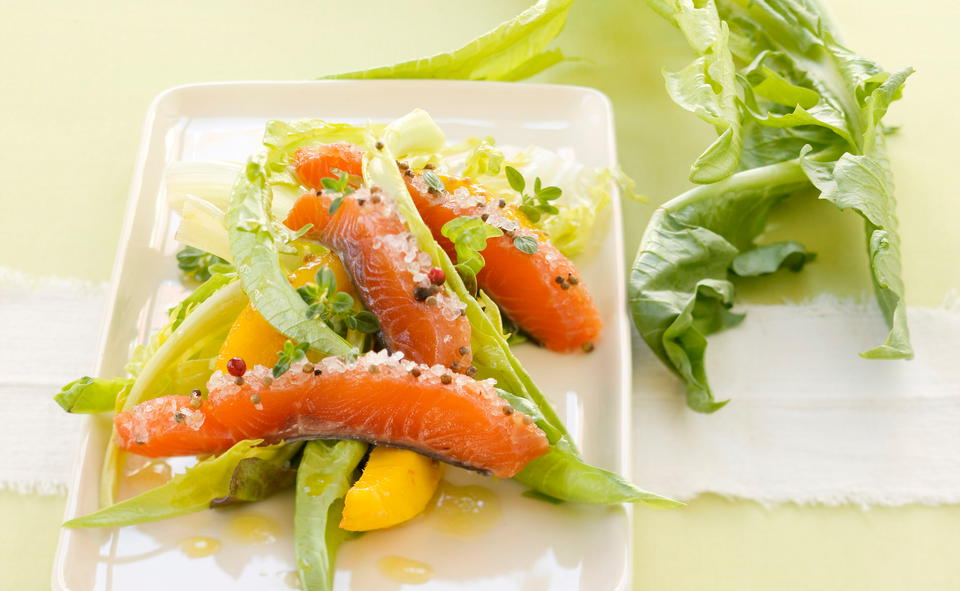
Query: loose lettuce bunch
{"type": "Point", "coordinates": [793, 109]}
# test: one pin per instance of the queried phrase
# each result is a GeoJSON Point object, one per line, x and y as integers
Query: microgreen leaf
{"type": "Point", "coordinates": [327, 281]}
{"type": "Point", "coordinates": [517, 183]}
{"type": "Point", "coordinates": [291, 354]}
{"type": "Point", "coordinates": [532, 213]}
{"type": "Point", "coordinates": [335, 205]}
{"type": "Point", "coordinates": [199, 264]}
{"type": "Point", "coordinates": [314, 311]}
{"type": "Point", "coordinates": [469, 236]}
{"type": "Point", "coordinates": [537, 205]}
{"type": "Point", "coordinates": [341, 303]}
{"type": "Point", "coordinates": [299, 233]}
{"type": "Point", "coordinates": [336, 308]}
{"type": "Point", "coordinates": [526, 244]}
{"type": "Point", "coordinates": [366, 322]}
{"type": "Point", "coordinates": [548, 193]}
{"type": "Point", "coordinates": [340, 184]}
{"type": "Point", "coordinates": [433, 181]}
{"type": "Point", "coordinates": [309, 293]}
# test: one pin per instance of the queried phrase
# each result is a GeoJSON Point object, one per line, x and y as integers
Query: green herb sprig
{"type": "Point", "coordinates": [200, 264]}
{"type": "Point", "coordinates": [291, 354]}
{"type": "Point", "coordinates": [335, 307]}
{"type": "Point", "coordinates": [342, 184]}
{"type": "Point", "coordinates": [469, 236]}
{"type": "Point", "coordinates": [433, 180]}
{"type": "Point", "coordinates": [537, 205]}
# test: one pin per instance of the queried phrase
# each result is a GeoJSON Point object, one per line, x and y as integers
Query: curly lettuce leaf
{"type": "Point", "coordinates": [325, 474]}
{"type": "Point", "coordinates": [680, 291]}
{"type": "Point", "coordinates": [92, 395]}
{"type": "Point", "coordinates": [707, 86]}
{"type": "Point", "coordinates": [515, 50]}
{"type": "Point", "coordinates": [189, 492]}
{"type": "Point", "coordinates": [864, 184]}
{"type": "Point", "coordinates": [256, 257]}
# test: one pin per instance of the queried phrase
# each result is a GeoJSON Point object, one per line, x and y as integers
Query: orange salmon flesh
{"type": "Point", "coordinates": [381, 399]}
{"type": "Point", "coordinates": [391, 274]}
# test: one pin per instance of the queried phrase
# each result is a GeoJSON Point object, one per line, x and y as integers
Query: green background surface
{"type": "Point", "coordinates": [78, 77]}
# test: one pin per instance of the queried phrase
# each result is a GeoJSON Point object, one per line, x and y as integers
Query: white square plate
{"type": "Point", "coordinates": [534, 545]}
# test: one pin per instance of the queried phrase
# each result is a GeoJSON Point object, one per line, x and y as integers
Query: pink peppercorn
{"type": "Point", "coordinates": [236, 367]}
{"type": "Point", "coordinates": [437, 276]}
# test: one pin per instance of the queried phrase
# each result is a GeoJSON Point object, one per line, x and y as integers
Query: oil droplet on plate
{"type": "Point", "coordinates": [292, 579]}
{"type": "Point", "coordinates": [145, 475]}
{"type": "Point", "coordinates": [466, 511]}
{"type": "Point", "coordinates": [199, 546]}
{"type": "Point", "coordinates": [253, 529]}
{"type": "Point", "coordinates": [405, 570]}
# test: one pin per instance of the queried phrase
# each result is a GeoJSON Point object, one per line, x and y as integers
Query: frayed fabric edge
{"type": "Point", "coordinates": [28, 487]}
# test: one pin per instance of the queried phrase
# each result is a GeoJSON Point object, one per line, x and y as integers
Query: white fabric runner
{"type": "Point", "coordinates": [48, 337]}
{"type": "Point", "coordinates": [808, 421]}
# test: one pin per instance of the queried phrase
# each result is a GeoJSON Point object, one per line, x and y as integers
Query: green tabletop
{"type": "Point", "coordinates": [78, 77]}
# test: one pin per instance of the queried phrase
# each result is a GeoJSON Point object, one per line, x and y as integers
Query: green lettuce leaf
{"type": "Point", "coordinates": [770, 258]}
{"type": "Point", "coordinates": [176, 316]}
{"type": "Point", "coordinates": [189, 492]}
{"type": "Point", "coordinates": [256, 257]}
{"type": "Point", "coordinates": [864, 184]}
{"type": "Point", "coordinates": [562, 475]}
{"type": "Point", "coordinates": [92, 395]}
{"type": "Point", "coordinates": [514, 50]}
{"type": "Point", "coordinates": [707, 86]}
{"type": "Point", "coordinates": [256, 478]}
{"type": "Point", "coordinates": [323, 478]}
{"type": "Point", "coordinates": [679, 286]}
{"type": "Point", "coordinates": [808, 114]}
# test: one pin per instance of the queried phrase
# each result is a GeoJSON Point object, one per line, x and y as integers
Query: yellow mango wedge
{"type": "Point", "coordinates": [253, 339]}
{"type": "Point", "coordinates": [395, 486]}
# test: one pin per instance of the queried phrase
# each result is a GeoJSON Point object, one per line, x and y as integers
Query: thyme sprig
{"type": "Point", "coordinates": [537, 205]}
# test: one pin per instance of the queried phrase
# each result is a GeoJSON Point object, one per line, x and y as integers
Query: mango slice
{"type": "Point", "coordinates": [395, 486]}
{"type": "Point", "coordinates": [253, 339]}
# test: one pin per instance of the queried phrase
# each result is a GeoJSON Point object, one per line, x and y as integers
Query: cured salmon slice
{"type": "Point", "coordinates": [542, 292]}
{"type": "Point", "coordinates": [394, 278]}
{"type": "Point", "coordinates": [379, 398]}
